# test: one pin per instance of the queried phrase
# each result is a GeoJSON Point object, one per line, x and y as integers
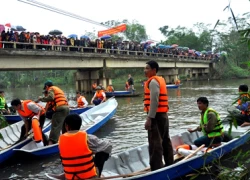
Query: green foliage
{"type": "Point", "coordinates": [3, 123]}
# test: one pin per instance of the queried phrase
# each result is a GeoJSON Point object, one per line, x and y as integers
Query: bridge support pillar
{"type": "Point", "coordinates": [85, 79]}
{"type": "Point", "coordinates": [170, 75]}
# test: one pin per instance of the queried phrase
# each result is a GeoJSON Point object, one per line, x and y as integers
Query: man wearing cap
{"type": "Point", "coordinates": [61, 109]}
{"type": "Point", "coordinates": [4, 109]}
{"type": "Point", "coordinates": [99, 96]}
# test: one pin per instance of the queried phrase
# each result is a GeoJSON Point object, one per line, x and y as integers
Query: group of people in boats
{"type": "Point", "coordinates": [76, 147]}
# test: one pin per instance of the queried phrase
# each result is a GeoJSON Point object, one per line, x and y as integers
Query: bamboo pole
{"type": "Point", "coordinates": [196, 151]}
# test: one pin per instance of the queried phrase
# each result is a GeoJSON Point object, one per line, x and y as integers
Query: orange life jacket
{"type": "Point", "coordinates": [126, 85]}
{"type": "Point", "coordinates": [80, 104]}
{"type": "Point", "coordinates": [76, 156]}
{"type": "Point", "coordinates": [99, 95]}
{"type": "Point", "coordinates": [240, 103]}
{"type": "Point", "coordinates": [59, 97]}
{"type": "Point", "coordinates": [110, 89]}
{"type": "Point", "coordinates": [37, 130]}
{"type": "Point", "coordinates": [26, 112]}
{"type": "Point", "coordinates": [163, 97]}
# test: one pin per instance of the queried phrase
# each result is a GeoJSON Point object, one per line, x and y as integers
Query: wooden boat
{"type": "Point", "coordinates": [92, 120]}
{"type": "Point", "coordinates": [15, 118]}
{"type": "Point", "coordinates": [10, 136]}
{"type": "Point", "coordinates": [122, 94]}
{"type": "Point", "coordinates": [173, 86]}
{"type": "Point", "coordinates": [134, 163]}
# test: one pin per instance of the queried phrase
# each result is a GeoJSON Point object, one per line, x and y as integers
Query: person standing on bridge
{"type": "Point", "coordinates": [61, 109]}
{"type": "Point", "coordinates": [157, 124]}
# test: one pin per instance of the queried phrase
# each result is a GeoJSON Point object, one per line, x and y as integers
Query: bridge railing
{"type": "Point", "coordinates": [48, 47]}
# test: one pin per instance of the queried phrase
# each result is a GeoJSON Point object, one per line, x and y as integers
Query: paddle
{"type": "Point", "coordinates": [193, 153]}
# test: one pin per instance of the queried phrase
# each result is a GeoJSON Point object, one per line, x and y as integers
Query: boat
{"type": "Point", "coordinates": [92, 120]}
{"type": "Point", "coordinates": [122, 94]}
{"type": "Point", "coordinates": [15, 118]}
{"type": "Point", "coordinates": [134, 163]}
{"type": "Point", "coordinates": [173, 86]}
{"type": "Point", "coordinates": [10, 136]}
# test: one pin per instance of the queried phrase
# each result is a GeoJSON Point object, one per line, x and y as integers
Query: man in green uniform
{"type": "Point", "coordinates": [4, 109]}
{"type": "Point", "coordinates": [61, 109]}
{"type": "Point", "coordinates": [210, 125]}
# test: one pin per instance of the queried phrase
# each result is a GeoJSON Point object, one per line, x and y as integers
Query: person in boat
{"type": "Point", "coordinates": [243, 119]}
{"type": "Point", "coordinates": [77, 148]}
{"type": "Point", "coordinates": [157, 123]}
{"type": "Point", "coordinates": [99, 96]}
{"type": "Point", "coordinates": [110, 88]}
{"type": "Point", "coordinates": [61, 109]}
{"type": "Point", "coordinates": [210, 125]}
{"type": "Point", "coordinates": [4, 109]}
{"type": "Point", "coordinates": [33, 116]}
{"type": "Point", "coordinates": [94, 85]}
{"type": "Point", "coordinates": [177, 82]}
{"type": "Point", "coordinates": [130, 83]}
{"type": "Point", "coordinates": [81, 100]}
{"type": "Point", "coordinates": [100, 85]}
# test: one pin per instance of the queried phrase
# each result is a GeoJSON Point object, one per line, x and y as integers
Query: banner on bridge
{"type": "Point", "coordinates": [114, 30]}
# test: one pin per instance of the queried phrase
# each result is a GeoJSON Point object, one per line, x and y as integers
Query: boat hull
{"type": "Point", "coordinates": [172, 86]}
{"type": "Point", "coordinates": [16, 118]}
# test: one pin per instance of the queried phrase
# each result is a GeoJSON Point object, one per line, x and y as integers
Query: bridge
{"type": "Point", "coordinates": [95, 65]}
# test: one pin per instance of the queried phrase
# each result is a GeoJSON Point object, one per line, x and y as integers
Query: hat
{"type": "Point", "coordinates": [48, 83]}
{"type": "Point", "coordinates": [98, 88]}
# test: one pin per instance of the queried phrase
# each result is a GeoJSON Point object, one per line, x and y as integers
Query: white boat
{"type": "Point", "coordinates": [9, 137]}
{"type": "Point", "coordinates": [134, 163]}
{"type": "Point", "coordinates": [92, 120]}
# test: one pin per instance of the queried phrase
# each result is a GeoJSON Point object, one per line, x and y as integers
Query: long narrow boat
{"type": "Point", "coordinates": [133, 163]}
{"type": "Point", "coordinates": [10, 136]}
{"type": "Point", "coordinates": [173, 86]}
{"type": "Point", "coordinates": [122, 94]}
{"type": "Point", "coordinates": [92, 120]}
{"type": "Point", "coordinates": [15, 118]}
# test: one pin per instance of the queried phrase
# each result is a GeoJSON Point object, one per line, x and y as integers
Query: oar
{"type": "Point", "coordinates": [193, 153]}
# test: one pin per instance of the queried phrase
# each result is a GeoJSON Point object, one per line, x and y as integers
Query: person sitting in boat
{"type": "Point", "coordinates": [177, 82]}
{"type": "Point", "coordinates": [99, 96]}
{"type": "Point", "coordinates": [243, 119]}
{"type": "Point", "coordinates": [4, 109]}
{"type": "Point", "coordinates": [110, 88]}
{"type": "Point", "coordinates": [33, 116]}
{"type": "Point", "coordinates": [81, 100]}
{"type": "Point", "coordinates": [77, 148]}
{"type": "Point", "coordinates": [210, 125]}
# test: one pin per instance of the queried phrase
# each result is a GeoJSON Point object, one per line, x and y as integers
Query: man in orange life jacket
{"type": "Point", "coordinates": [61, 109]}
{"type": "Point", "coordinates": [243, 119]}
{"type": "Point", "coordinates": [157, 124]}
{"type": "Point", "coordinates": [31, 112]}
{"type": "Point", "coordinates": [81, 100]}
{"type": "Point", "coordinates": [99, 96]}
{"type": "Point", "coordinates": [77, 147]}
{"type": "Point", "coordinates": [110, 88]}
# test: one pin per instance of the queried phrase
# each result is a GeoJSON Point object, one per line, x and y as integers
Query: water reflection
{"type": "Point", "coordinates": [126, 128]}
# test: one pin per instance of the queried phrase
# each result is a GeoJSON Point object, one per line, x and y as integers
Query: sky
{"type": "Point", "coordinates": [151, 14]}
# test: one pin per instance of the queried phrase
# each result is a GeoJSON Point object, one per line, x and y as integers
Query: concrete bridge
{"type": "Point", "coordinates": [96, 65]}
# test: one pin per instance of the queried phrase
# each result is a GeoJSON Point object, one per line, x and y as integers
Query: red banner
{"type": "Point", "coordinates": [113, 30]}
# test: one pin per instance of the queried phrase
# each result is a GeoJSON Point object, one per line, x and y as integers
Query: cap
{"type": "Point", "coordinates": [48, 83]}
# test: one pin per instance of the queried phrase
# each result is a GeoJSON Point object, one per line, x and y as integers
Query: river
{"type": "Point", "coordinates": [126, 128]}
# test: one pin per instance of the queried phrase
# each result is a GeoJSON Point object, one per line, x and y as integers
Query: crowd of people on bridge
{"type": "Point", "coordinates": [59, 43]}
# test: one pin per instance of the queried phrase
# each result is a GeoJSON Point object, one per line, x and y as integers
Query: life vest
{"type": "Point", "coordinates": [126, 85]}
{"type": "Point", "coordinates": [218, 129]}
{"type": "Point", "coordinates": [94, 85]}
{"type": "Point", "coordinates": [110, 89]}
{"type": "Point", "coordinates": [59, 97]}
{"type": "Point", "coordinates": [98, 94]}
{"type": "Point", "coordinates": [37, 130]}
{"type": "Point", "coordinates": [2, 102]}
{"type": "Point", "coordinates": [163, 97]}
{"type": "Point", "coordinates": [243, 98]}
{"type": "Point", "coordinates": [80, 104]}
{"type": "Point", "coordinates": [26, 112]}
{"type": "Point", "coordinates": [76, 156]}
